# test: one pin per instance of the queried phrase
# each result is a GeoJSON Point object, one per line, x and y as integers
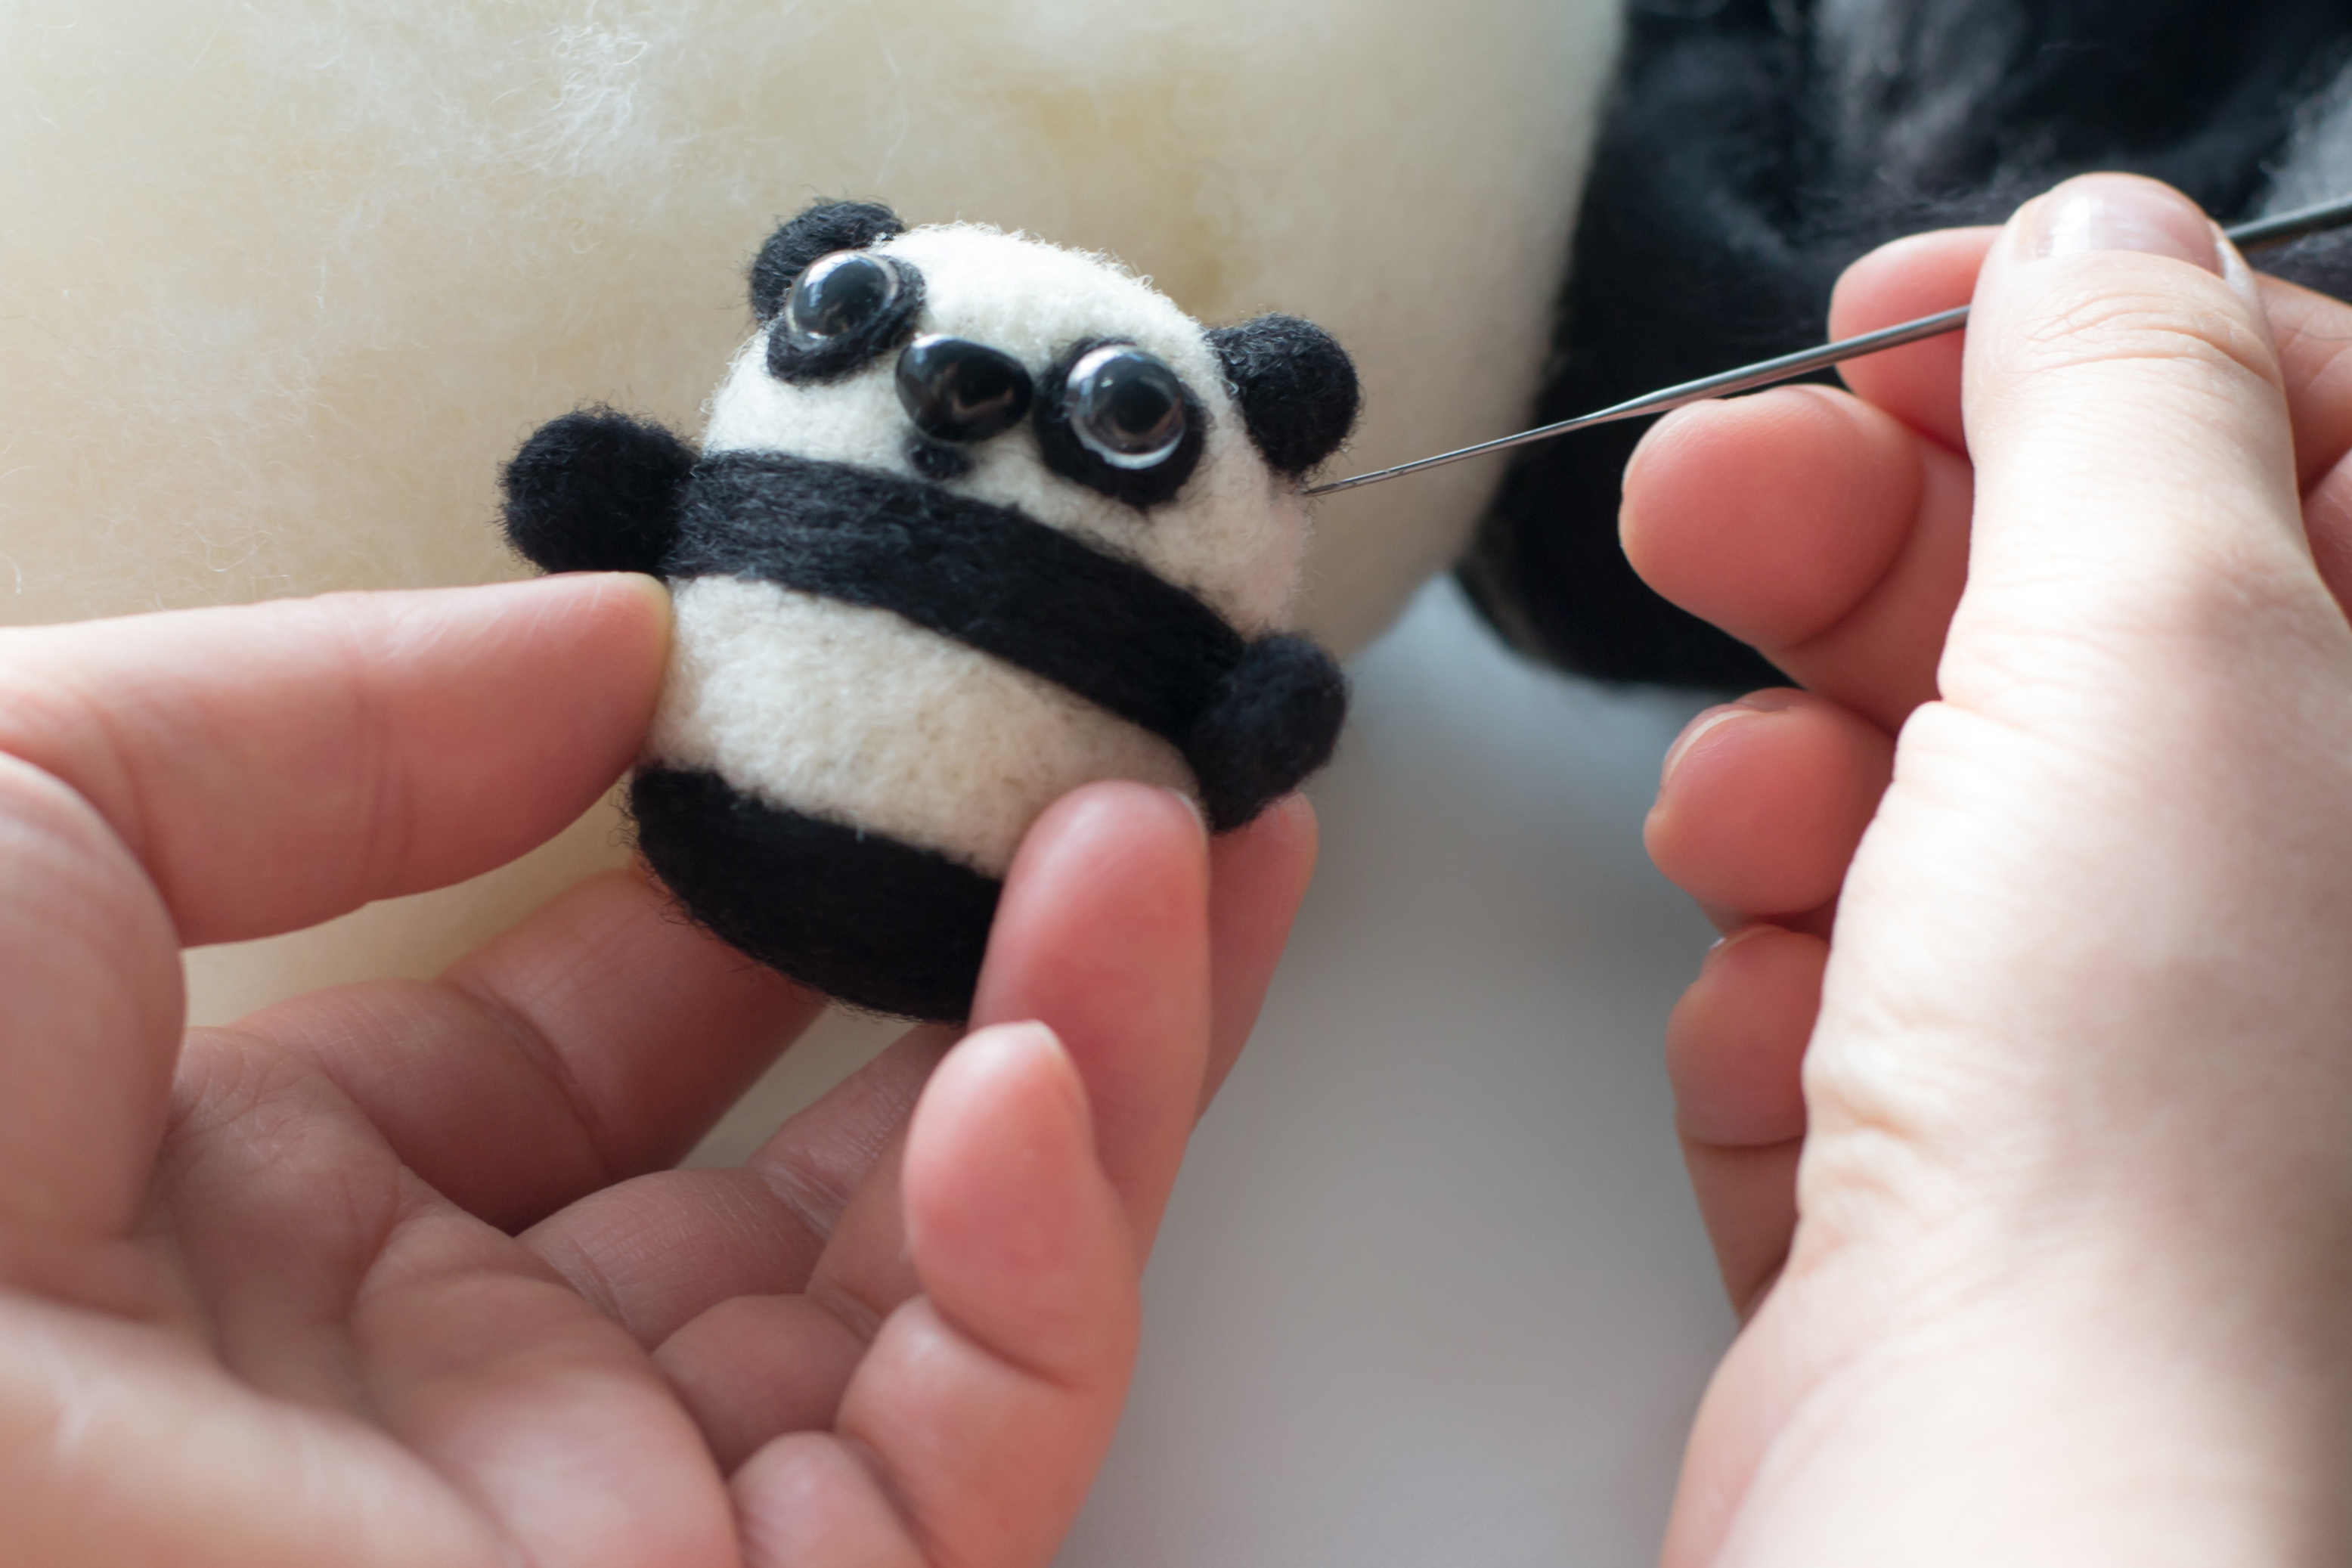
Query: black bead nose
{"type": "Point", "coordinates": [955, 390]}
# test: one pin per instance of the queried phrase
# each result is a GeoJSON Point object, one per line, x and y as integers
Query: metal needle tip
{"type": "Point", "coordinates": [2263, 234]}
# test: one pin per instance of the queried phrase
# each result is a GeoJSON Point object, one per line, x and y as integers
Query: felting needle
{"type": "Point", "coordinates": [2263, 234]}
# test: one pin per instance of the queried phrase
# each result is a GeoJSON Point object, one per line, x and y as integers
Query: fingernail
{"type": "Point", "coordinates": [1713, 718]}
{"type": "Point", "coordinates": [2119, 211]}
{"type": "Point", "coordinates": [1771, 701]}
{"type": "Point", "coordinates": [1190, 804]}
{"type": "Point", "coordinates": [1733, 938]}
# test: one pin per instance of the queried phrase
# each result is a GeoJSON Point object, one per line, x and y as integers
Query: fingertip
{"type": "Point", "coordinates": [1763, 802]}
{"type": "Point", "coordinates": [1659, 459]}
{"type": "Point", "coordinates": [619, 621]}
{"type": "Point", "coordinates": [1736, 1039]}
{"type": "Point", "coordinates": [1010, 1223]}
{"type": "Point", "coordinates": [997, 1074]}
{"type": "Point", "coordinates": [640, 606]}
{"type": "Point", "coordinates": [806, 1498]}
{"type": "Point", "coordinates": [1108, 887]}
{"type": "Point", "coordinates": [1263, 867]}
{"type": "Point", "coordinates": [1094, 818]}
{"type": "Point", "coordinates": [1917, 275]}
{"type": "Point", "coordinates": [1771, 516]}
{"type": "Point", "coordinates": [2134, 462]}
{"type": "Point", "coordinates": [1921, 275]}
{"type": "Point", "coordinates": [1668, 474]}
{"type": "Point", "coordinates": [1290, 824]}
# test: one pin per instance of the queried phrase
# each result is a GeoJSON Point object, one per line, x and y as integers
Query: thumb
{"type": "Point", "coordinates": [2136, 477]}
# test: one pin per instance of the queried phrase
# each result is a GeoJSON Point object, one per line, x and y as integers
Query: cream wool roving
{"type": "Point", "coordinates": [976, 520]}
{"type": "Point", "coordinates": [282, 283]}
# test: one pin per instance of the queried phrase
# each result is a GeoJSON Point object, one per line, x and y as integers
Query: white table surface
{"type": "Point", "coordinates": [1431, 1290]}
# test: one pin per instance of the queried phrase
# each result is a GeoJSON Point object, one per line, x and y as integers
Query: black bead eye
{"type": "Point", "coordinates": [838, 295]}
{"type": "Point", "coordinates": [1120, 422]}
{"type": "Point", "coordinates": [956, 390]}
{"type": "Point", "coordinates": [1125, 406]}
{"type": "Point", "coordinates": [844, 311]}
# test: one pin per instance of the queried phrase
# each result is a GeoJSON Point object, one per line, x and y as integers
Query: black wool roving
{"type": "Point", "coordinates": [1754, 148]}
{"type": "Point", "coordinates": [975, 521]}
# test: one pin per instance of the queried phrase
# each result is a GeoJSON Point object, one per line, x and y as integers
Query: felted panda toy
{"type": "Point", "coordinates": [976, 520]}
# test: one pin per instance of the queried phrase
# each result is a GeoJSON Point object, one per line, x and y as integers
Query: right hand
{"type": "Point", "coordinates": [2046, 878]}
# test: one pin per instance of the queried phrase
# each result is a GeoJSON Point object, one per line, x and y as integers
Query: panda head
{"type": "Point", "coordinates": [1044, 380]}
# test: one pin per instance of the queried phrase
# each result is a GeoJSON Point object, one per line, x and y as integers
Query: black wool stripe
{"type": "Point", "coordinates": [1107, 629]}
{"type": "Point", "coordinates": [863, 918]}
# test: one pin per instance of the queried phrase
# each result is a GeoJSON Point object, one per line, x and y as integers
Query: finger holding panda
{"type": "Point", "coordinates": [211, 775]}
{"type": "Point", "coordinates": [1146, 951]}
{"type": "Point", "coordinates": [970, 1432]}
{"type": "Point", "coordinates": [1014, 1230]}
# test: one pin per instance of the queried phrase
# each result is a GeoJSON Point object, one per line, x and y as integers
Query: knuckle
{"type": "Point", "coordinates": [2190, 330]}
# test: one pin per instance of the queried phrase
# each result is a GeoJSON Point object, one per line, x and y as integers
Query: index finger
{"type": "Point", "coordinates": [224, 773]}
{"type": "Point", "coordinates": [1832, 532]}
{"type": "Point", "coordinates": [272, 765]}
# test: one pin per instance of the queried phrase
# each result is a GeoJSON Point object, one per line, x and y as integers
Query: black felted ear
{"type": "Point", "coordinates": [1273, 722]}
{"type": "Point", "coordinates": [823, 229]}
{"type": "Point", "coordinates": [596, 491]}
{"type": "Point", "coordinates": [1296, 387]}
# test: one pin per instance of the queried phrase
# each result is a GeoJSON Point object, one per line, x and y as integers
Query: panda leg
{"type": "Point", "coordinates": [596, 491]}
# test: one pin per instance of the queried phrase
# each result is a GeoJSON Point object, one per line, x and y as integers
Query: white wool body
{"type": "Point", "coordinates": [283, 283]}
{"type": "Point", "coordinates": [1234, 534]}
{"type": "Point", "coordinates": [857, 717]}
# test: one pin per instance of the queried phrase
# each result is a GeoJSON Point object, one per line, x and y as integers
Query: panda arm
{"type": "Point", "coordinates": [1273, 722]}
{"type": "Point", "coordinates": [596, 491]}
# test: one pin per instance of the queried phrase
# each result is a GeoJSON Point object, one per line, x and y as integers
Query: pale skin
{"type": "Point", "coordinates": [399, 1274]}
{"type": "Point", "coordinates": [2019, 1097]}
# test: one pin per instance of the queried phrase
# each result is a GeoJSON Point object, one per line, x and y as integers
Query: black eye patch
{"type": "Point", "coordinates": [842, 313]}
{"type": "Point", "coordinates": [1118, 420]}
{"type": "Point", "coordinates": [818, 232]}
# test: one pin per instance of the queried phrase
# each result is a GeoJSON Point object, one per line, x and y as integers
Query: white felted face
{"type": "Point", "coordinates": [857, 717]}
{"type": "Point", "coordinates": [1233, 534]}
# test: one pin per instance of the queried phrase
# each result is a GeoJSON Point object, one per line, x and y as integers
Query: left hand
{"type": "Point", "coordinates": [399, 1273]}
